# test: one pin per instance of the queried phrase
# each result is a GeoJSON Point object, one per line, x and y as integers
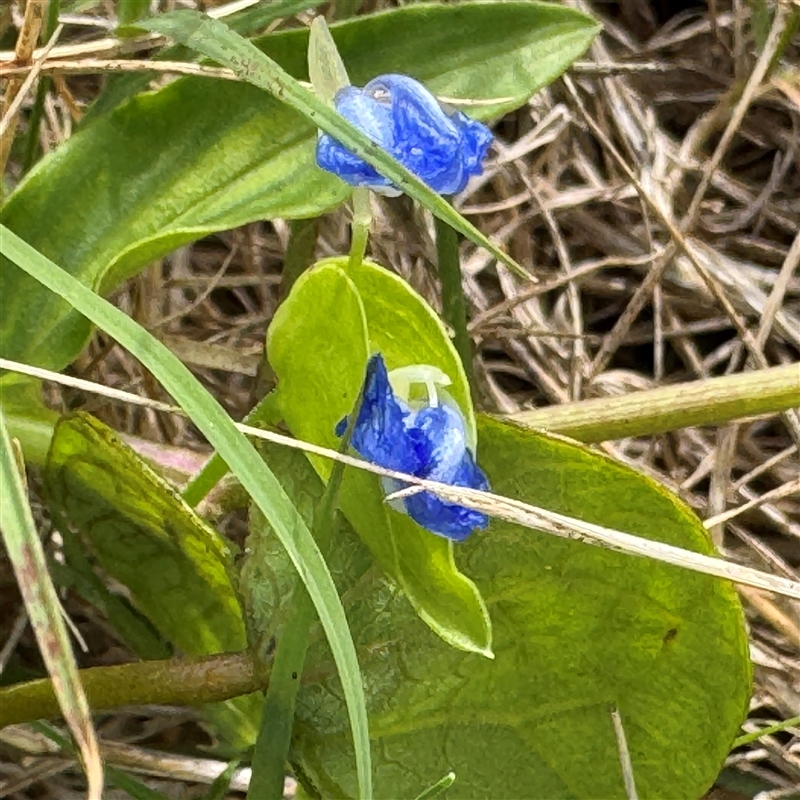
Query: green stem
{"type": "Point", "coordinates": [300, 252]}
{"type": "Point", "coordinates": [266, 412]}
{"type": "Point", "coordinates": [668, 408]}
{"type": "Point", "coordinates": [34, 124]}
{"type": "Point", "coordinates": [769, 730]}
{"type": "Point", "coordinates": [177, 682]}
{"type": "Point", "coordinates": [362, 219]}
{"type": "Point", "coordinates": [272, 746]}
{"type": "Point", "coordinates": [454, 304]}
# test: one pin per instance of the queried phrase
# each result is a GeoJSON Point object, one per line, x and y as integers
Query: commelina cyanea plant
{"type": "Point", "coordinates": [452, 642]}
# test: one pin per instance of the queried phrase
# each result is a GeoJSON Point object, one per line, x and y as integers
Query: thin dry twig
{"type": "Point", "coordinates": [753, 83]}
{"type": "Point", "coordinates": [624, 756]}
{"type": "Point", "coordinates": [787, 490]}
{"type": "Point", "coordinates": [10, 117]}
{"type": "Point", "coordinates": [23, 53]}
{"type": "Point", "coordinates": [680, 241]}
{"type": "Point", "coordinates": [91, 66]}
{"type": "Point", "coordinates": [779, 290]}
{"type": "Point", "coordinates": [486, 502]}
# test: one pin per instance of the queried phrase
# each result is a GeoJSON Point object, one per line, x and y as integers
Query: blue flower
{"type": "Point", "coordinates": [405, 119]}
{"type": "Point", "coordinates": [425, 439]}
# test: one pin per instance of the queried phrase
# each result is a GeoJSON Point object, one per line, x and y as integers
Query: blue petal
{"type": "Point", "coordinates": [405, 119]}
{"type": "Point", "coordinates": [368, 114]}
{"type": "Point", "coordinates": [334, 157]}
{"type": "Point", "coordinates": [475, 141]}
{"type": "Point", "coordinates": [380, 431]}
{"type": "Point", "coordinates": [448, 519]}
{"type": "Point", "coordinates": [371, 117]}
{"type": "Point", "coordinates": [439, 439]}
{"type": "Point", "coordinates": [426, 141]}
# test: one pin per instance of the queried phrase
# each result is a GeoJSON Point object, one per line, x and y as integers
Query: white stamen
{"type": "Point", "coordinates": [433, 397]}
{"type": "Point", "coordinates": [402, 379]}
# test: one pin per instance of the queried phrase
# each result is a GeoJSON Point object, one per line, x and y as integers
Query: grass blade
{"type": "Point", "coordinates": [216, 40]}
{"type": "Point", "coordinates": [44, 609]}
{"type": "Point", "coordinates": [454, 303]}
{"type": "Point", "coordinates": [274, 739]}
{"type": "Point", "coordinates": [243, 461]}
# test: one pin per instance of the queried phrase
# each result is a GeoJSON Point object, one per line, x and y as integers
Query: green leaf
{"type": "Point", "coordinates": [320, 367]}
{"type": "Point", "coordinates": [161, 171]}
{"type": "Point", "coordinates": [278, 612]}
{"type": "Point", "coordinates": [577, 630]}
{"type": "Point", "coordinates": [144, 535]}
{"type": "Point", "coordinates": [77, 572]}
{"type": "Point", "coordinates": [176, 567]}
{"type": "Point", "coordinates": [216, 40]}
{"type": "Point", "coordinates": [271, 750]}
{"type": "Point", "coordinates": [129, 11]}
{"type": "Point", "coordinates": [325, 67]}
{"type": "Point", "coordinates": [243, 461]}
{"type": "Point", "coordinates": [27, 418]}
{"type": "Point", "coordinates": [221, 785]}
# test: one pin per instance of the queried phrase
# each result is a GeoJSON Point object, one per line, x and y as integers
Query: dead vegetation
{"type": "Point", "coordinates": [655, 193]}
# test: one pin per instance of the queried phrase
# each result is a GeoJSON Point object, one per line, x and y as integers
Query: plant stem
{"type": "Point", "coordinates": [747, 738]}
{"type": "Point", "coordinates": [265, 412]}
{"type": "Point", "coordinates": [454, 305]}
{"type": "Point", "coordinates": [362, 219]}
{"type": "Point", "coordinates": [272, 746]}
{"type": "Point", "coordinates": [300, 252]}
{"type": "Point", "coordinates": [668, 408]}
{"type": "Point", "coordinates": [175, 682]}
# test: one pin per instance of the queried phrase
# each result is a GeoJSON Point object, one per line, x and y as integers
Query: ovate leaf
{"type": "Point", "coordinates": [144, 535]}
{"type": "Point", "coordinates": [578, 631]}
{"type": "Point", "coordinates": [160, 170]}
{"type": "Point", "coordinates": [318, 345]}
{"type": "Point", "coordinates": [176, 567]}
